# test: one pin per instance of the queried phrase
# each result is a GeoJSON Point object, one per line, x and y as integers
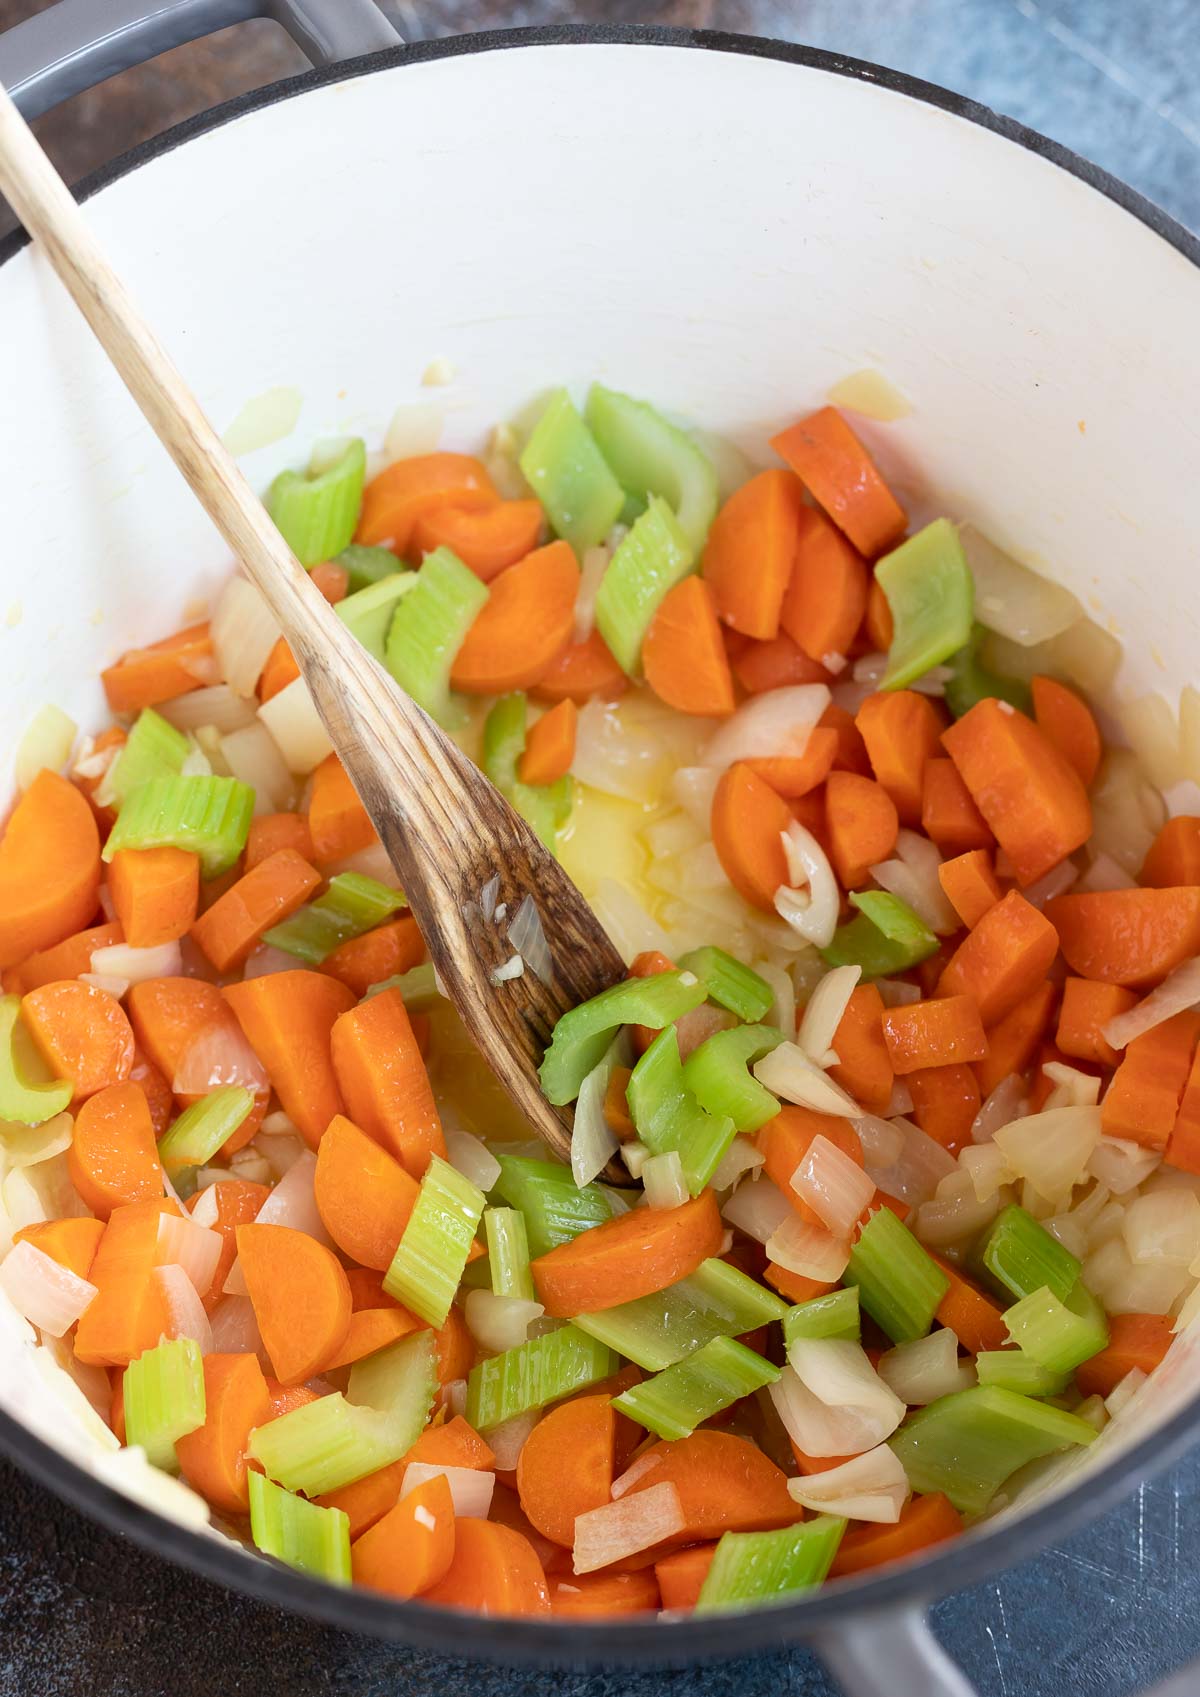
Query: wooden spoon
{"type": "Point", "coordinates": [447, 830]}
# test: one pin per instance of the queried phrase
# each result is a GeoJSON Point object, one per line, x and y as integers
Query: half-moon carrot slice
{"type": "Point", "coordinates": [82, 1032]}
{"type": "Point", "coordinates": [626, 1257]}
{"type": "Point", "coordinates": [403, 492]}
{"type": "Point", "coordinates": [213, 1458]}
{"type": "Point", "coordinates": [748, 822]}
{"type": "Point", "coordinates": [49, 868]}
{"type": "Point", "coordinates": [525, 623]}
{"type": "Point", "coordinates": [300, 1296]}
{"type": "Point", "coordinates": [487, 539]}
{"type": "Point", "coordinates": [113, 1156]}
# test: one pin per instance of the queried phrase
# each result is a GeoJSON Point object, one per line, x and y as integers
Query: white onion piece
{"type": "Point", "coordinates": [634, 1155]}
{"type": "Point", "coordinates": [294, 723]}
{"type": "Point", "coordinates": [29, 1195]}
{"type": "Point", "coordinates": [788, 1072]}
{"type": "Point", "coordinates": [235, 1328]}
{"type": "Point", "coordinates": [1052, 1149]}
{"type": "Point", "coordinates": [825, 1009]}
{"type": "Point", "coordinates": [1178, 991]}
{"type": "Point", "coordinates": [27, 1145]}
{"type": "Point", "coordinates": [615, 754]}
{"type": "Point", "coordinates": [593, 1143]}
{"type": "Point", "coordinates": [831, 1400]}
{"type": "Point", "coordinates": [1121, 1165]}
{"type": "Point", "coordinates": [44, 1292]}
{"type": "Point", "coordinates": [372, 862]}
{"type": "Point", "coordinates": [217, 706]}
{"type": "Point", "coordinates": [470, 1156]}
{"type": "Point", "coordinates": [882, 1142]}
{"type": "Point", "coordinates": [454, 1396]}
{"type": "Point", "coordinates": [693, 787]}
{"type": "Point", "coordinates": [508, 1440]}
{"type": "Point", "coordinates": [235, 1280]}
{"type": "Point", "coordinates": [280, 1149]}
{"type": "Point", "coordinates": [998, 1108]}
{"type": "Point", "coordinates": [1163, 1227]}
{"type": "Point", "coordinates": [592, 569]}
{"type": "Point", "coordinates": [869, 669]}
{"type": "Point", "coordinates": [663, 1181]}
{"type": "Point", "coordinates": [244, 631]}
{"type": "Point", "coordinates": [219, 1055]}
{"type": "Point", "coordinates": [757, 1208]}
{"type": "Point", "coordinates": [896, 993]}
{"type": "Point", "coordinates": [872, 1486]}
{"type": "Point", "coordinates": [900, 1101]}
{"type": "Point", "coordinates": [528, 938]}
{"type": "Point", "coordinates": [293, 1203]}
{"type": "Point", "coordinates": [1127, 811]}
{"type": "Point", "coordinates": [1056, 882]}
{"type": "Point", "coordinates": [499, 1322]}
{"type": "Point", "coordinates": [1069, 1233]}
{"type": "Point", "coordinates": [988, 1167]}
{"type": "Point", "coordinates": [626, 1527]}
{"type": "Point", "coordinates": [253, 756]}
{"type": "Point", "coordinates": [834, 1187]}
{"type": "Point", "coordinates": [628, 924]}
{"type": "Point", "coordinates": [114, 987]}
{"type": "Point", "coordinates": [1123, 1393]}
{"type": "Point", "coordinates": [782, 1012]}
{"type": "Point", "coordinates": [1104, 874]}
{"type": "Point", "coordinates": [741, 1157]}
{"type": "Point", "coordinates": [927, 1368]}
{"type": "Point", "coordinates": [196, 762]}
{"type": "Point", "coordinates": [1124, 1287]}
{"type": "Point", "coordinates": [637, 1469]}
{"type": "Point", "coordinates": [911, 874]}
{"type": "Point", "coordinates": [206, 1209]}
{"type": "Point", "coordinates": [1072, 1088]}
{"type": "Point", "coordinates": [922, 1165]}
{"type": "Point", "coordinates": [135, 966]}
{"type": "Point", "coordinates": [185, 1311]}
{"type": "Point", "coordinates": [809, 902]}
{"type": "Point", "coordinates": [184, 1242]}
{"type": "Point", "coordinates": [45, 746]}
{"type": "Point", "coordinates": [1012, 599]}
{"type": "Point", "coordinates": [776, 724]}
{"type": "Point", "coordinates": [809, 1250]}
{"type": "Point", "coordinates": [1153, 731]}
{"type": "Point", "coordinates": [1105, 1225]}
{"type": "Point", "coordinates": [470, 1487]}
{"type": "Point", "coordinates": [955, 1214]}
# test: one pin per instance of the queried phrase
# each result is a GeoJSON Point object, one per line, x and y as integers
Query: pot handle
{"type": "Point", "coordinates": [890, 1653]}
{"type": "Point", "coordinates": [77, 43]}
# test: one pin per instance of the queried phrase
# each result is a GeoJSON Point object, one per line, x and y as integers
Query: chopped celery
{"type": "Point", "coordinates": [680, 1398]}
{"type": "Point", "coordinates": [648, 562]}
{"type": "Point", "coordinates": [429, 627]}
{"type": "Point", "coordinates": [834, 1315]}
{"type": "Point", "coordinates": [1059, 1334]}
{"type": "Point", "coordinates": [554, 1208]}
{"type": "Point", "coordinates": [1021, 1256]}
{"type": "Point", "coordinates": [508, 1253]}
{"type": "Point", "coordinates": [432, 1253]}
{"type": "Point", "coordinates": [22, 1099]}
{"type": "Point", "coordinates": [651, 457]}
{"type": "Point", "coordinates": [718, 1073]}
{"type": "Point", "coordinates": [209, 816]}
{"type": "Point", "coordinates": [581, 1036]}
{"type": "Point", "coordinates": [899, 1285]}
{"type": "Point", "coordinates": [164, 1398]}
{"type": "Point", "coordinates": [973, 682]}
{"type": "Point", "coordinates": [886, 938]}
{"type": "Point", "coordinates": [504, 739]}
{"type": "Point", "coordinates": [967, 1444]}
{"type": "Point", "coordinates": [931, 594]}
{"type": "Point", "coordinates": [365, 566]}
{"type": "Point", "coordinates": [313, 1539]}
{"type": "Point", "coordinates": [730, 984]}
{"type": "Point", "coordinates": [368, 613]}
{"type": "Point", "coordinates": [753, 1569]}
{"type": "Point", "coordinates": [153, 749]}
{"type": "Point", "coordinates": [203, 1127]}
{"type": "Point", "coordinates": [418, 986]}
{"type": "Point", "coordinates": [715, 1301]}
{"type": "Point", "coordinates": [351, 905]}
{"type": "Point", "coordinates": [526, 1378]}
{"type": "Point", "coordinates": [546, 807]}
{"type": "Point", "coordinates": [570, 476]}
{"type": "Point", "coordinates": [317, 515]}
{"type": "Point", "coordinates": [1013, 1370]}
{"type": "Point", "coordinates": [668, 1116]}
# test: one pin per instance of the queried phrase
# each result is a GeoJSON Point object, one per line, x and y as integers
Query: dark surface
{"type": "Point", "coordinates": [82, 1611]}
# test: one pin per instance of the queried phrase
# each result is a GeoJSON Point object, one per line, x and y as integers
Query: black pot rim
{"type": "Point", "coordinates": [618, 1642]}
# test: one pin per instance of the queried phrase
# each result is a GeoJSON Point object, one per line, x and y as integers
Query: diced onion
{"type": "Point", "coordinates": [185, 1311]}
{"type": "Point", "coordinates": [235, 1280]}
{"type": "Point", "coordinates": [280, 1149]}
{"type": "Point", "coordinates": [1103, 874]}
{"type": "Point", "coordinates": [244, 631]}
{"type": "Point", "coordinates": [1069, 1232]}
{"type": "Point", "coordinates": [832, 1401]}
{"type": "Point", "coordinates": [758, 1208]}
{"type": "Point", "coordinates": [999, 1107]}
{"type": "Point", "coordinates": [593, 1144]}
{"type": "Point", "coordinates": [637, 1469]}
{"type": "Point", "coordinates": [184, 1242]}
{"type": "Point", "coordinates": [826, 1006]}
{"type": "Point", "coordinates": [922, 1165]}
{"type": "Point", "coordinates": [882, 1142]}
{"type": "Point", "coordinates": [135, 966]}
{"type": "Point", "coordinates": [1125, 1287]}
{"type": "Point", "coordinates": [27, 1145]}
{"type": "Point", "coordinates": [1121, 1165]}
{"type": "Point", "coordinates": [219, 1055]}
{"type": "Point", "coordinates": [634, 1155]}
{"type": "Point", "coordinates": [470, 1487]}
{"type": "Point", "coordinates": [266, 960]}
{"type": "Point", "coordinates": [626, 1527]}
{"type": "Point", "coordinates": [252, 755]}
{"type": "Point", "coordinates": [1153, 732]}
{"type": "Point", "coordinates": [527, 936]}
{"type": "Point", "coordinates": [812, 1251]}
{"type": "Point", "coordinates": [1123, 1393]}
{"type": "Point", "coordinates": [927, 1368]}
{"type": "Point", "coordinates": [293, 1202]}
{"type": "Point", "coordinates": [896, 993]}
{"type": "Point", "coordinates": [988, 1167]}
{"type": "Point", "coordinates": [900, 1101]}
{"type": "Point", "coordinates": [592, 568]}
{"type": "Point", "coordinates": [206, 1209]}
{"type": "Point", "coordinates": [616, 754]}
{"type": "Point", "coordinates": [1127, 811]}
{"type": "Point", "coordinates": [294, 723]}
{"type": "Point", "coordinates": [372, 862]}
{"type": "Point", "coordinates": [834, 1187]}
{"type": "Point", "coordinates": [1012, 599]}
{"type": "Point", "coordinates": [809, 902]}
{"type": "Point", "coordinates": [782, 1012]}
{"type": "Point", "coordinates": [663, 1181]}
{"type": "Point", "coordinates": [235, 1328]}
{"type": "Point", "coordinates": [628, 924]}
{"type": "Point", "coordinates": [471, 1156]}
{"type": "Point", "coordinates": [912, 875]}
{"type": "Point", "coordinates": [216, 705]}
{"type": "Point", "coordinates": [106, 981]}
{"type": "Point", "coordinates": [954, 1214]}
{"type": "Point", "coordinates": [872, 1486]}
{"type": "Point", "coordinates": [1052, 1149]}
{"type": "Point", "coordinates": [741, 1157]}
{"type": "Point", "coordinates": [1163, 1227]}
{"type": "Point", "coordinates": [1056, 882]}
{"type": "Point", "coordinates": [500, 1322]}
{"type": "Point", "coordinates": [415, 428]}
{"type": "Point", "coordinates": [1179, 990]}
{"type": "Point", "coordinates": [1105, 1225]}
{"type": "Point", "coordinates": [788, 1072]}
{"type": "Point", "coordinates": [775, 724]}
{"type": "Point", "coordinates": [44, 1292]}
{"type": "Point", "coordinates": [44, 1191]}
{"type": "Point", "coordinates": [45, 746]}
{"type": "Point", "coordinates": [508, 1440]}
{"type": "Point", "coordinates": [693, 787]}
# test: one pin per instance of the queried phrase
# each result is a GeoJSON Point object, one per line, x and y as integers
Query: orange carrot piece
{"type": "Point", "coordinates": [550, 746]}
{"type": "Point", "coordinates": [725, 1484]}
{"type": "Point", "coordinates": [338, 823]}
{"type": "Point", "coordinates": [862, 824]}
{"type": "Point", "coordinates": [286, 1397]}
{"type": "Point", "coordinates": [759, 666]}
{"type": "Point", "coordinates": [1029, 793]}
{"type": "Point", "coordinates": [938, 1033]}
{"type": "Point", "coordinates": [66, 959]}
{"type": "Point", "coordinates": [155, 892]}
{"type": "Point", "coordinates": [1013, 1040]}
{"type": "Point", "coordinates": [791, 777]}
{"type": "Point", "coordinates": [683, 654]}
{"type": "Point", "coordinates": [113, 1157]}
{"type": "Point", "coordinates": [616, 1104]}
{"type": "Point", "coordinates": [168, 1016]}
{"type": "Point", "coordinates": [632, 1255]}
{"type": "Point", "coordinates": [300, 1297]}
{"type": "Point", "coordinates": [280, 671]}
{"type": "Point", "coordinates": [810, 1464]}
{"type": "Point", "coordinates": [681, 1575]}
{"type": "Point", "coordinates": [945, 1102]}
{"type": "Point", "coordinates": [974, 1318]}
{"type": "Point", "coordinates": [1174, 856]}
{"type": "Point", "coordinates": [129, 1313]}
{"type": "Point", "coordinates": [371, 1329]}
{"type": "Point", "coordinates": [487, 539]}
{"type": "Point", "coordinates": [579, 672]}
{"type": "Point", "coordinates": [525, 623]}
{"type": "Point", "coordinates": [385, 952]}
{"type": "Point", "coordinates": [238, 1203]}
{"type": "Point", "coordinates": [566, 1465]}
{"type": "Point", "coordinates": [1134, 1340]}
{"type": "Point", "coordinates": [72, 1243]}
{"type": "Point", "coordinates": [1068, 722]}
{"type": "Point", "coordinates": [970, 885]}
{"type": "Point", "coordinates": [826, 596]}
{"type": "Point", "coordinates": [901, 729]}
{"type": "Point", "coordinates": [363, 1195]}
{"type": "Point", "coordinates": [784, 1142]}
{"type": "Point", "coordinates": [332, 579]}
{"type": "Point", "coordinates": [143, 677]}
{"type": "Point", "coordinates": [924, 1521]}
{"type": "Point", "coordinates": [403, 493]}
{"type": "Point", "coordinates": [495, 1571]}
{"type": "Point", "coordinates": [588, 1596]}
{"type": "Point", "coordinates": [1132, 937]}
{"type": "Point", "coordinates": [455, 1349]}
{"type": "Point", "coordinates": [750, 551]}
{"type": "Point", "coordinates": [287, 1018]}
{"type": "Point", "coordinates": [949, 817]}
{"type": "Point", "coordinates": [1086, 1009]}
{"type": "Point", "coordinates": [81, 1032]}
{"type": "Point", "coordinates": [1183, 1146]}
{"type": "Point", "coordinates": [382, 1077]}
{"type": "Point", "coordinates": [213, 1458]}
{"type": "Point", "coordinates": [366, 1501]}
{"type": "Point", "coordinates": [49, 868]}
{"type": "Point", "coordinates": [851, 753]}
{"type": "Point", "coordinates": [839, 472]}
{"type": "Point", "coordinates": [1003, 959]}
{"type": "Point", "coordinates": [878, 623]}
{"type": "Point", "coordinates": [864, 1068]}
{"type": "Point", "coordinates": [231, 929]}
{"type": "Point", "coordinates": [748, 820]}
{"type": "Point", "coordinates": [1143, 1100]}
{"type": "Point", "coordinates": [412, 1546]}
{"type": "Point", "coordinates": [271, 832]}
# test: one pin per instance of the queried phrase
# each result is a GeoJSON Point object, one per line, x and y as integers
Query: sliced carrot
{"type": "Point", "coordinates": [750, 551]}
{"type": "Point", "coordinates": [238, 1203]}
{"type": "Point", "coordinates": [332, 579]}
{"type": "Point", "coordinates": [412, 1546]}
{"type": "Point", "coordinates": [579, 672]}
{"type": "Point", "coordinates": [1003, 959]}
{"type": "Point", "coordinates": [455, 1348]}
{"type": "Point", "coordinates": [878, 623]}
{"type": "Point", "coordinates": [113, 1158]}
{"type": "Point", "coordinates": [970, 885]}
{"type": "Point", "coordinates": [72, 1243]}
{"type": "Point", "coordinates": [862, 823]}
{"type": "Point", "coordinates": [300, 1297]}
{"type": "Point", "coordinates": [1132, 937]}
{"type": "Point", "coordinates": [938, 1033]}
{"type": "Point", "coordinates": [1030, 795]}
{"type": "Point", "coordinates": [1013, 1040]}
{"type": "Point", "coordinates": [1134, 1340]}
{"type": "Point", "coordinates": [725, 1484]}
{"type": "Point", "coordinates": [401, 495]}
{"type": "Point", "coordinates": [524, 624]}
{"type": "Point", "coordinates": [67, 959]}
{"type": "Point", "coordinates": [587, 1596]}
{"type": "Point", "coordinates": [1067, 721]}
{"type": "Point", "coordinates": [794, 1286]}
{"type": "Point", "coordinates": [213, 1458]}
{"type": "Point", "coordinates": [864, 1068]}
{"type": "Point", "coordinates": [284, 1398]}
{"type": "Point", "coordinates": [648, 964]}
{"type": "Point", "coordinates": [338, 823]}
{"type": "Point", "coordinates": [495, 1571]}
{"type": "Point", "coordinates": [628, 1256]}
{"type": "Point", "coordinates": [1086, 1009]}
{"type": "Point", "coordinates": [385, 952]}
{"type": "Point", "coordinates": [901, 729]}
{"type": "Point", "coordinates": [1183, 1146]}
{"type": "Point", "coordinates": [550, 746]}
{"type": "Point", "coordinates": [364, 1197]}
{"type": "Point", "coordinates": [924, 1521]}
{"type": "Point", "coordinates": [784, 1142]}
{"type": "Point", "coordinates": [949, 817]}
{"type": "Point", "coordinates": [851, 753]}
{"type": "Point", "coordinates": [371, 1329]}
{"type": "Point", "coordinates": [168, 1016]}
{"type": "Point", "coordinates": [49, 868]}
{"type": "Point", "coordinates": [681, 1575]}
{"type": "Point", "coordinates": [616, 1105]}
{"type": "Point", "coordinates": [280, 671]}
{"type": "Point", "coordinates": [155, 1088]}
{"type": "Point", "coordinates": [840, 473]}
{"type": "Point", "coordinates": [1143, 1100]}
{"type": "Point", "coordinates": [945, 1102]}
{"type": "Point", "coordinates": [796, 776]}
{"type": "Point", "coordinates": [974, 1318]}
{"type": "Point", "coordinates": [129, 1313]}
{"type": "Point", "coordinates": [566, 1465]}
{"type": "Point", "coordinates": [748, 822]}
{"type": "Point", "coordinates": [1174, 856]}
{"type": "Point", "coordinates": [287, 1018]}
{"type": "Point", "coordinates": [382, 1077]}
{"type": "Point", "coordinates": [143, 677]}
{"type": "Point", "coordinates": [271, 832]}
{"type": "Point", "coordinates": [488, 539]}
{"type": "Point", "coordinates": [155, 892]}
{"type": "Point", "coordinates": [810, 1464]}
{"type": "Point", "coordinates": [452, 1444]}
{"type": "Point", "coordinates": [826, 596]}
{"type": "Point", "coordinates": [82, 1033]}
{"type": "Point", "coordinates": [683, 654]}
{"type": "Point", "coordinates": [759, 666]}
{"type": "Point", "coordinates": [231, 929]}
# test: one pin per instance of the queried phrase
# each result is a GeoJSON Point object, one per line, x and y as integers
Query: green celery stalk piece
{"type": "Point", "coordinates": [969, 1443]}
{"type": "Point", "coordinates": [834, 1315]}
{"type": "Point", "coordinates": [418, 986]}
{"type": "Point", "coordinates": [429, 627]}
{"type": "Point", "coordinates": [973, 682]}
{"type": "Point", "coordinates": [368, 613]}
{"type": "Point", "coordinates": [680, 1398]}
{"type": "Point", "coordinates": [317, 516]}
{"type": "Point", "coordinates": [164, 1399]}
{"type": "Point", "coordinates": [1060, 1335]}
{"type": "Point", "coordinates": [886, 938]}
{"type": "Point", "coordinates": [570, 476]}
{"type": "Point", "coordinates": [504, 739]}
{"type": "Point", "coordinates": [656, 1331]}
{"type": "Point", "coordinates": [669, 1117]}
{"type": "Point", "coordinates": [718, 1073]}
{"type": "Point", "coordinates": [1013, 1370]}
{"type": "Point", "coordinates": [899, 1284]}
{"type": "Point", "coordinates": [352, 905]}
{"type": "Point", "coordinates": [208, 816]}
{"type": "Point", "coordinates": [649, 561]}
{"type": "Point", "coordinates": [431, 1255]}
{"type": "Point", "coordinates": [652, 457]}
{"type": "Point", "coordinates": [555, 1209]}
{"type": "Point", "coordinates": [931, 593]}
{"type": "Point", "coordinates": [545, 1369]}
{"type": "Point", "coordinates": [730, 984]}
{"type": "Point", "coordinates": [21, 1098]}
{"type": "Point", "coordinates": [546, 807]}
{"type": "Point", "coordinates": [365, 565]}
{"type": "Point", "coordinates": [581, 1036]}
{"type": "Point", "coordinates": [154, 749]}
{"type": "Point", "coordinates": [754, 1569]}
{"type": "Point", "coordinates": [307, 1537]}
{"type": "Point", "coordinates": [1020, 1256]}
{"type": "Point", "coordinates": [203, 1127]}
{"type": "Point", "coordinates": [508, 1253]}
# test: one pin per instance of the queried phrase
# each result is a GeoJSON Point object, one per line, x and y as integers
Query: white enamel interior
{"type": "Point", "coordinates": [729, 235]}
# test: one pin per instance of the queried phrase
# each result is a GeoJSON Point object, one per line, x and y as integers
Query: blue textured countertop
{"type": "Point", "coordinates": [1109, 1612]}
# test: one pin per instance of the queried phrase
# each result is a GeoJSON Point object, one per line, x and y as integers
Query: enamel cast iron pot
{"type": "Point", "coordinates": [727, 226]}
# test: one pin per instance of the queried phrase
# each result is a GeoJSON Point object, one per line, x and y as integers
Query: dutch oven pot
{"type": "Point", "coordinates": [724, 224]}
